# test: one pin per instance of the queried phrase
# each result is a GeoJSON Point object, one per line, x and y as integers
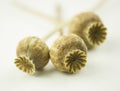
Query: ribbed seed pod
{"type": "Point", "coordinates": [32, 54]}
{"type": "Point", "coordinates": [89, 27]}
{"type": "Point", "coordinates": [68, 53]}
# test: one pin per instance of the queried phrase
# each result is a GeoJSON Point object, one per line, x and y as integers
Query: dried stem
{"type": "Point", "coordinates": [63, 24]}
{"type": "Point", "coordinates": [50, 18]}
{"type": "Point", "coordinates": [35, 12]}
{"type": "Point", "coordinates": [59, 18]}
{"type": "Point", "coordinates": [97, 6]}
{"type": "Point", "coordinates": [54, 31]}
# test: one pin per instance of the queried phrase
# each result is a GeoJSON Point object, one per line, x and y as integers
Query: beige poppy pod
{"type": "Point", "coordinates": [32, 54]}
{"type": "Point", "coordinates": [68, 53]}
{"type": "Point", "coordinates": [89, 27]}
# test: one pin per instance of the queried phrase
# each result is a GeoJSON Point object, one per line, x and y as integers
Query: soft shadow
{"type": "Point", "coordinates": [70, 74]}
{"type": "Point", "coordinates": [44, 72]}
{"type": "Point", "coordinates": [52, 71]}
{"type": "Point", "coordinates": [92, 49]}
{"type": "Point", "coordinates": [90, 69]}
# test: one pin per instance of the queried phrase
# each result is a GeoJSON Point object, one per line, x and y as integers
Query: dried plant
{"type": "Point", "coordinates": [89, 27]}
{"type": "Point", "coordinates": [68, 53]}
{"type": "Point", "coordinates": [32, 54]}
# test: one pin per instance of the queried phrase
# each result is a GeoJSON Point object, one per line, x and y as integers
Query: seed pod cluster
{"type": "Point", "coordinates": [68, 53]}
{"type": "Point", "coordinates": [32, 54]}
{"type": "Point", "coordinates": [89, 27]}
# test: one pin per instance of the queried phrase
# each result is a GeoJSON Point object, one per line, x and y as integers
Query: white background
{"type": "Point", "coordinates": [102, 72]}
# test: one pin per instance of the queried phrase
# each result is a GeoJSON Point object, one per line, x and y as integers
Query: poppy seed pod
{"type": "Point", "coordinates": [68, 53]}
{"type": "Point", "coordinates": [89, 27]}
{"type": "Point", "coordinates": [32, 54]}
